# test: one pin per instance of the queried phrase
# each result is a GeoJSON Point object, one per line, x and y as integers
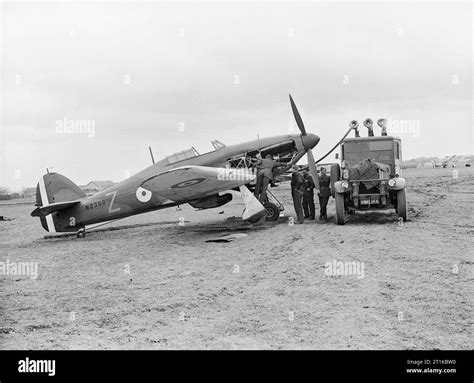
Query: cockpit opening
{"type": "Point", "coordinates": [182, 155]}
{"type": "Point", "coordinates": [191, 153]}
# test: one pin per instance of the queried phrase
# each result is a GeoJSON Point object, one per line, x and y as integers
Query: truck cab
{"type": "Point", "coordinates": [383, 149]}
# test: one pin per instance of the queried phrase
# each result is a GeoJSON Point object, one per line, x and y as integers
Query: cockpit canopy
{"type": "Point", "coordinates": [182, 155]}
{"type": "Point", "coordinates": [191, 153]}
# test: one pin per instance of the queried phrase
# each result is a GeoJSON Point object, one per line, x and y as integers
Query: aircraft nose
{"type": "Point", "coordinates": [310, 141]}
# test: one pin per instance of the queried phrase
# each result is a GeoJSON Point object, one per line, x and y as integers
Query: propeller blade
{"type": "Point", "coordinates": [298, 119]}
{"type": "Point", "coordinates": [311, 163]}
{"type": "Point", "coordinates": [312, 169]}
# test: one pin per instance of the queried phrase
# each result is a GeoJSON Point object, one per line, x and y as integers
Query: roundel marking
{"type": "Point", "coordinates": [187, 183]}
{"type": "Point", "coordinates": [143, 195]}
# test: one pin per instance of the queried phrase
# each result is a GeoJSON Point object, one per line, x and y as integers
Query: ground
{"type": "Point", "coordinates": [161, 286]}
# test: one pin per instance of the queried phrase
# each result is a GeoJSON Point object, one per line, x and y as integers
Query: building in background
{"type": "Point", "coordinates": [96, 186]}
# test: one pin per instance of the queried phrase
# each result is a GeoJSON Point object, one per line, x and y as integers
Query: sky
{"type": "Point", "coordinates": [87, 87]}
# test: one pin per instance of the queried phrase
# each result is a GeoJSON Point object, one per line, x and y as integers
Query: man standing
{"type": "Point", "coordinates": [324, 194]}
{"type": "Point", "coordinates": [308, 197]}
{"type": "Point", "coordinates": [297, 192]}
{"type": "Point", "coordinates": [265, 175]}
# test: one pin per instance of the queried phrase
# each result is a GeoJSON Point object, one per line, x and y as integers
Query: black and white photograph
{"type": "Point", "coordinates": [224, 175]}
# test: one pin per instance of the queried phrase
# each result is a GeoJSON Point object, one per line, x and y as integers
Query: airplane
{"type": "Point", "coordinates": [452, 161]}
{"type": "Point", "coordinates": [183, 177]}
{"type": "Point", "coordinates": [443, 163]}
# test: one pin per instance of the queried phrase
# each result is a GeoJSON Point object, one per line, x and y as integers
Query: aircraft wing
{"type": "Point", "coordinates": [449, 159]}
{"type": "Point", "coordinates": [189, 183]}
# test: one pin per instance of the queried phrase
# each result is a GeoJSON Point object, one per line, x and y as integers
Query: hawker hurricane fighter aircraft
{"type": "Point", "coordinates": [184, 177]}
{"type": "Point", "coordinates": [452, 162]}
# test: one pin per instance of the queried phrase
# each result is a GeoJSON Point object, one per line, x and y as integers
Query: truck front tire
{"type": "Point", "coordinates": [340, 209]}
{"type": "Point", "coordinates": [335, 176]}
{"type": "Point", "coordinates": [402, 209]}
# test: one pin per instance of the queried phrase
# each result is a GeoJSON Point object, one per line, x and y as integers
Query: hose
{"type": "Point", "coordinates": [335, 146]}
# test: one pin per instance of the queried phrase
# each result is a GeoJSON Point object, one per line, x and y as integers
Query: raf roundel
{"type": "Point", "coordinates": [143, 195]}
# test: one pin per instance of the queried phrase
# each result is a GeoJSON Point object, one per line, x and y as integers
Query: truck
{"type": "Point", "coordinates": [369, 176]}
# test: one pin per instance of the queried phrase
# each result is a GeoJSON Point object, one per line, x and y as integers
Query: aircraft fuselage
{"type": "Point", "coordinates": [126, 197]}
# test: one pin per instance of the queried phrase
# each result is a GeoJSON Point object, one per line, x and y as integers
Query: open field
{"type": "Point", "coordinates": [162, 286]}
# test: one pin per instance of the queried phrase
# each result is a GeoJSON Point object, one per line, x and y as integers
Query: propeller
{"type": "Point", "coordinates": [299, 120]}
{"type": "Point", "coordinates": [311, 163]}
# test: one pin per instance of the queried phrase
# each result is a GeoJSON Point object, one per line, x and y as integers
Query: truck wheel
{"type": "Point", "coordinates": [335, 176]}
{"type": "Point", "coordinates": [402, 209]}
{"type": "Point", "coordinates": [272, 211]}
{"type": "Point", "coordinates": [340, 209]}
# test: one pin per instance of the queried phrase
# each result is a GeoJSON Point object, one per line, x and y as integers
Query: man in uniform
{"type": "Point", "coordinates": [324, 194]}
{"type": "Point", "coordinates": [265, 175]}
{"type": "Point", "coordinates": [308, 197]}
{"type": "Point", "coordinates": [297, 192]}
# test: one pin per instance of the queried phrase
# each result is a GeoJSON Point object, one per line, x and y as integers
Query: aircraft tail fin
{"type": "Point", "coordinates": [55, 192]}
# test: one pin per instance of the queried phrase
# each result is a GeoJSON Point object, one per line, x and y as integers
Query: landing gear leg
{"type": "Point", "coordinates": [253, 207]}
{"type": "Point", "coordinates": [81, 233]}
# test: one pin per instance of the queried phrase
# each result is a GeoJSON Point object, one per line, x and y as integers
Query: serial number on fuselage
{"type": "Point", "coordinates": [93, 205]}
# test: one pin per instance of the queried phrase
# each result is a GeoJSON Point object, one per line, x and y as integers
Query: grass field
{"type": "Point", "coordinates": [161, 286]}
